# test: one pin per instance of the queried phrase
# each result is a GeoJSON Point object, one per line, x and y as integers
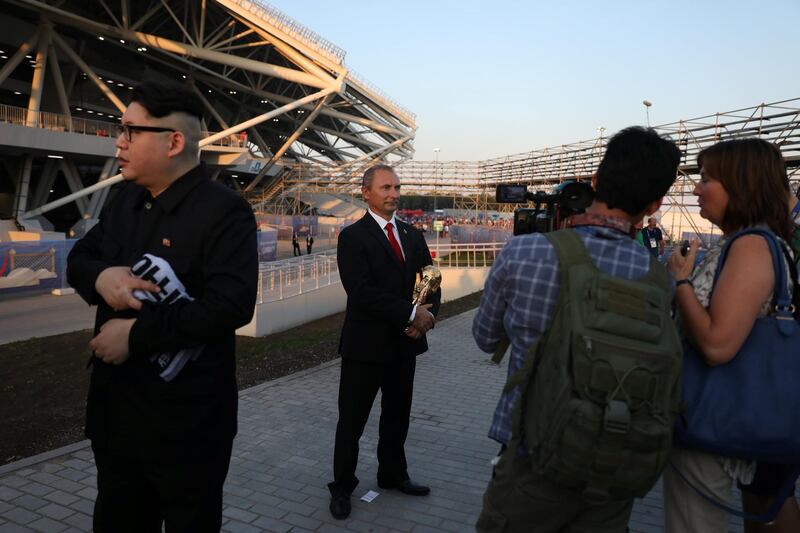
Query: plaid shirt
{"type": "Point", "coordinates": [521, 292]}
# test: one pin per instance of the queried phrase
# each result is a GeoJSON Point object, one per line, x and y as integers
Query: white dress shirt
{"type": "Point", "coordinates": [382, 223]}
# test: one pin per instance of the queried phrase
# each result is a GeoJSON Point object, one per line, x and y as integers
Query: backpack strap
{"type": "Point", "coordinates": [658, 276]}
{"type": "Point", "coordinates": [501, 349]}
{"type": "Point", "coordinates": [521, 376]}
{"type": "Point", "coordinates": [570, 250]}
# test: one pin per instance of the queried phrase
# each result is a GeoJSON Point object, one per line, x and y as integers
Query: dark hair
{"type": "Point", "coordinates": [161, 99]}
{"type": "Point", "coordinates": [366, 180]}
{"type": "Point", "coordinates": [639, 166]}
{"type": "Point", "coordinates": [753, 173]}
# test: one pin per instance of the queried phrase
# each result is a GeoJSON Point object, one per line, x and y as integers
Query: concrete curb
{"type": "Point", "coordinates": [44, 456]}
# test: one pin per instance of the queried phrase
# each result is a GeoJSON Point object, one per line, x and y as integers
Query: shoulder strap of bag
{"type": "Point", "coordinates": [786, 489]}
{"type": "Point", "coordinates": [781, 299]}
{"type": "Point", "coordinates": [789, 253]}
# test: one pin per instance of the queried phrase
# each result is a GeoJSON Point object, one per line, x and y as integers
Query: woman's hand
{"type": "Point", "coordinates": [681, 267]}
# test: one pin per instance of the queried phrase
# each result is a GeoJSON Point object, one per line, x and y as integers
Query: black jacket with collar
{"type": "Point", "coordinates": [379, 290]}
{"type": "Point", "coordinates": [207, 233]}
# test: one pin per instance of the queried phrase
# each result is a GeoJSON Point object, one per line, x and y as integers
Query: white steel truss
{"type": "Point", "coordinates": [472, 183]}
{"type": "Point", "coordinates": [258, 71]}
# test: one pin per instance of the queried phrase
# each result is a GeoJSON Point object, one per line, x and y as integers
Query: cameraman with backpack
{"type": "Point", "coordinates": [593, 368]}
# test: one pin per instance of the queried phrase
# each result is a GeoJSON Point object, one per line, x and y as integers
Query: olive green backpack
{"type": "Point", "coordinates": [601, 387]}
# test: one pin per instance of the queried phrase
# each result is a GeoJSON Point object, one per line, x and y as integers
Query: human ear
{"type": "Point", "coordinates": [177, 144]}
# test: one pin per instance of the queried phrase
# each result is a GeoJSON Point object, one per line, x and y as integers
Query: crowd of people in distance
{"type": "Point", "coordinates": [425, 223]}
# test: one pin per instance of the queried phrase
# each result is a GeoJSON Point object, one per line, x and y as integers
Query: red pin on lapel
{"type": "Point", "coordinates": [166, 242]}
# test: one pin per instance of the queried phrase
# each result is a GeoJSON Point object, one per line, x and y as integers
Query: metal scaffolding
{"type": "Point", "coordinates": [471, 184]}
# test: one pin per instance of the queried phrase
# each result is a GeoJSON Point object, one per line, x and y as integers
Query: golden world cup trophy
{"type": "Point", "coordinates": [431, 279]}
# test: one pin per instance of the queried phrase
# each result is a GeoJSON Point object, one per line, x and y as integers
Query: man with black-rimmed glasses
{"type": "Point", "coordinates": [161, 411]}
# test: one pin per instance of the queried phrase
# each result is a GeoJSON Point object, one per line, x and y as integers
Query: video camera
{"type": "Point", "coordinates": [569, 198]}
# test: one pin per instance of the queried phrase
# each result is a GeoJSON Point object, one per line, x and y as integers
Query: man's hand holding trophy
{"type": "Point", "coordinates": [424, 319]}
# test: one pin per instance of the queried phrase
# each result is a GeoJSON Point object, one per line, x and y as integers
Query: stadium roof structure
{"type": "Point", "coordinates": [275, 93]}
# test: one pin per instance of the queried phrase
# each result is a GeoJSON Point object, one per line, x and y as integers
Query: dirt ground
{"type": "Point", "coordinates": [44, 380]}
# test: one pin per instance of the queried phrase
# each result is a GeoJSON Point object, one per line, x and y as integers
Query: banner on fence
{"type": "Point", "coordinates": [33, 267]}
{"type": "Point", "coordinates": [267, 245]}
{"type": "Point", "coordinates": [466, 234]}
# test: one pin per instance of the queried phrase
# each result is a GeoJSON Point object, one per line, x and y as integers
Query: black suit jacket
{"type": "Point", "coordinates": [379, 291]}
{"type": "Point", "coordinates": [208, 235]}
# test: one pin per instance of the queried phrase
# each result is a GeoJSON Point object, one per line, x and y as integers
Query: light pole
{"type": "Point", "coordinates": [600, 131]}
{"type": "Point", "coordinates": [435, 177]}
{"type": "Point", "coordinates": [647, 104]}
{"type": "Point", "coordinates": [435, 182]}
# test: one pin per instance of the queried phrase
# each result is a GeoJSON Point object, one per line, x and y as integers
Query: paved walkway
{"type": "Point", "coordinates": [282, 457]}
{"type": "Point", "coordinates": [43, 315]}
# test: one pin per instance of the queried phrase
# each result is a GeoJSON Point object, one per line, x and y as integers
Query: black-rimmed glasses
{"type": "Point", "coordinates": [126, 130]}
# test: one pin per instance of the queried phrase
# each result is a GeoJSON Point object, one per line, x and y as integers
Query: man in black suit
{"type": "Point", "coordinates": [295, 244]}
{"type": "Point", "coordinates": [162, 422]}
{"type": "Point", "coordinates": [379, 258]}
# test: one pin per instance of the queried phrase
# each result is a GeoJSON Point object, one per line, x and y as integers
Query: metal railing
{"type": "Point", "coordinates": [56, 122]}
{"type": "Point", "coordinates": [234, 140]}
{"type": "Point", "coordinates": [278, 280]}
{"type": "Point", "coordinates": [291, 277]}
{"type": "Point", "coordinates": [409, 116]}
{"type": "Point", "coordinates": [478, 255]}
{"type": "Point", "coordinates": [290, 26]}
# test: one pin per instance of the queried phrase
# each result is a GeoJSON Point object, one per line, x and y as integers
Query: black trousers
{"type": "Point", "coordinates": [358, 386]}
{"type": "Point", "coordinates": [139, 489]}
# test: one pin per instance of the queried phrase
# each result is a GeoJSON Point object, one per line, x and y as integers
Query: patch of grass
{"type": "Point", "coordinates": [43, 391]}
{"type": "Point", "coordinates": [247, 347]}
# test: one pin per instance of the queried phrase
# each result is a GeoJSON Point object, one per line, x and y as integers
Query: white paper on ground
{"type": "Point", "coordinates": [369, 496]}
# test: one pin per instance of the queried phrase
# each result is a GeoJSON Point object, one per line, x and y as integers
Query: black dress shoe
{"type": "Point", "coordinates": [408, 487]}
{"type": "Point", "coordinates": [340, 506]}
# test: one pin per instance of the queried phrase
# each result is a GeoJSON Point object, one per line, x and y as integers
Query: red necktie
{"type": "Point", "coordinates": [394, 243]}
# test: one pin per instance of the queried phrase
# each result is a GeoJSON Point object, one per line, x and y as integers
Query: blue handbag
{"type": "Point", "coordinates": [748, 408]}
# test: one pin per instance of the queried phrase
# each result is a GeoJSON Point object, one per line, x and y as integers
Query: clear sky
{"type": "Point", "coordinates": [491, 78]}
